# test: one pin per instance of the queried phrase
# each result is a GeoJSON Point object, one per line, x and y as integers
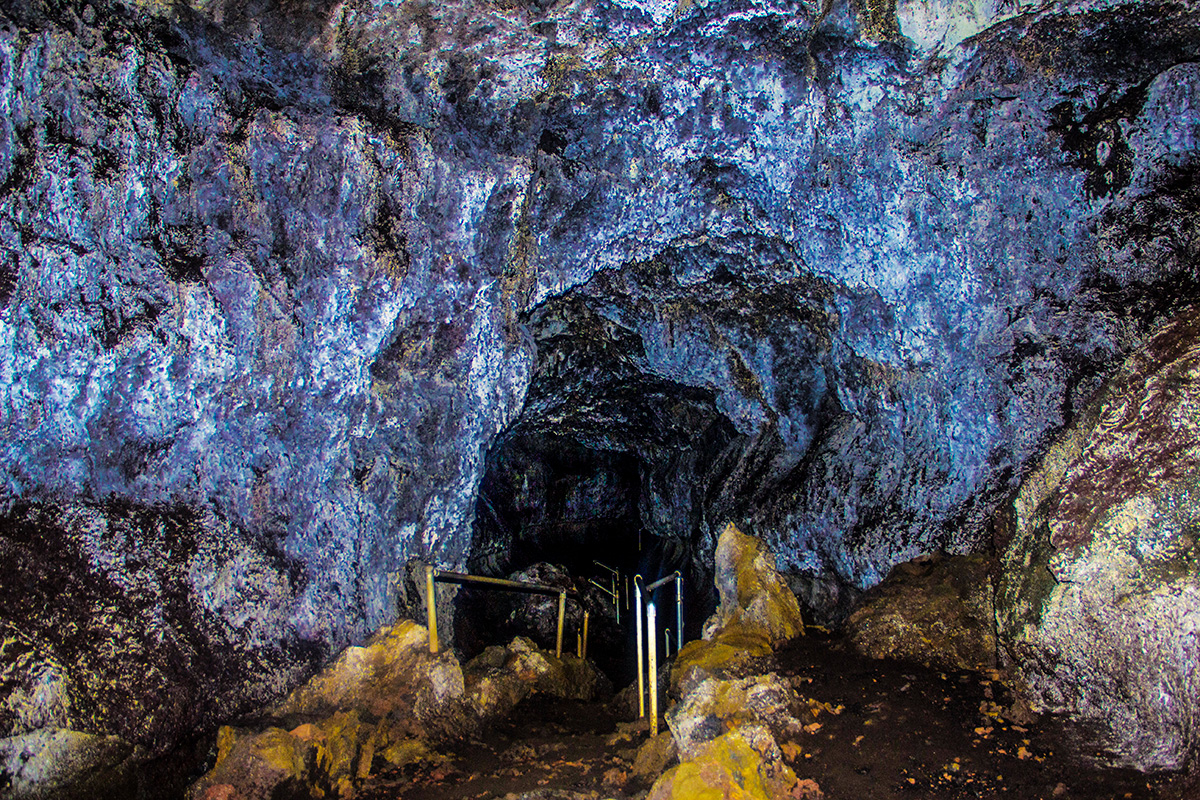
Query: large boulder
{"type": "Point", "coordinates": [1099, 602]}
{"type": "Point", "coordinates": [384, 700]}
{"type": "Point", "coordinates": [936, 611]}
{"type": "Point", "coordinates": [752, 592]}
{"type": "Point", "coordinates": [384, 704]}
{"type": "Point", "coordinates": [394, 672]}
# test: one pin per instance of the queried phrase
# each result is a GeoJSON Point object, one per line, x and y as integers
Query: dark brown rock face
{"type": "Point", "coordinates": [1099, 602]}
{"type": "Point", "coordinates": [936, 611]}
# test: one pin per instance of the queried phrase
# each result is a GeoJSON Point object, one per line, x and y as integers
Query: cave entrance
{"type": "Point", "coordinates": [612, 463]}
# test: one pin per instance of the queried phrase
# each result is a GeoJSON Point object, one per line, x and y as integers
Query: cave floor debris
{"type": "Point", "coordinates": [547, 748]}
{"type": "Point", "coordinates": [890, 731]}
{"type": "Point", "coordinates": [883, 731]}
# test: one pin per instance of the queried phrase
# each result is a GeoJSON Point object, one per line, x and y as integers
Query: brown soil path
{"type": "Point", "coordinates": [903, 732]}
{"type": "Point", "coordinates": [547, 749]}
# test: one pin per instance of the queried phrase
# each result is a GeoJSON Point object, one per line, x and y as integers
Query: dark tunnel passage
{"type": "Point", "coordinates": [555, 512]}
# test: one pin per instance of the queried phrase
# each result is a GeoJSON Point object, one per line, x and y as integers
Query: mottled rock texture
{"type": "Point", "coordinates": [387, 703]}
{"type": "Point", "coordinates": [752, 593]}
{"type": "Point", "coordinates": [833, 271]}
{"type": "Point", "coordinates": [1099, 603]}
{"type": "Point", "coordinates": [935, 611]}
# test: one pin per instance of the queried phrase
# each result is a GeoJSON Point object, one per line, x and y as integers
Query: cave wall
{"type": "Point", "coordinates": [838, 272]}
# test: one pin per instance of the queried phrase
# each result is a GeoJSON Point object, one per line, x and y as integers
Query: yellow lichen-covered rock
{"type": "Point", "coordinates": [727, 654]}
{"type": "Point", "coordinates": [716, 706]}
{"type": "Point", "coordinates": [393, 671]}
{"type": "Point", "coordinates": [257, 766]}
{"type": "Point", "coordinates": [743, 764]}
{"type": "Point", "coordinates": [338, 742]}
{"type": "Point", "coordinates": [388, 691]}
{"type": "Point", "coordinates": [500, 677]}
{"type": "Point", "coordinates": [751, 590]}
{"type": "Point", "coordinates": [407, 751]}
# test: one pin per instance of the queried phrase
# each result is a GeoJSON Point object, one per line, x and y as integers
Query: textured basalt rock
{"type": "Point", "coordinates": [744, 763]}
{"type": "Point", "coordinates": [387, 703]}
{"type": "Point", "coordinates": [59, 764]}
{"type": "Point", "coordinates": [752, 593]}
{"type": "Point", "coordinates": [833, 271]}
{"type": "Point", "coordinates": [934, 611]}
{"type": "Point", "coordinates": [140, 625]}
{"type": "Point", "coordinates": [1099, 599]}
{"type": "Point", "coordinates": [715, 706]}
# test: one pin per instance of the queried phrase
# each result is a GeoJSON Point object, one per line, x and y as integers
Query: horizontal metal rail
{"type": "Point", "coordinates": [501, 583]}
{"type": "Point", "coordinates": [674, 576]}
{"type": "Point", "coordinates": [433, 575]}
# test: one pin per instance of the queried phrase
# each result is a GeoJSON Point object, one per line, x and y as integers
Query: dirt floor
{"type": "Point", "coordinates": [882, 731]}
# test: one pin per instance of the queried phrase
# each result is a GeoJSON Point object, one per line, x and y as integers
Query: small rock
{"type": "Point", "coordinates": [655, 756]}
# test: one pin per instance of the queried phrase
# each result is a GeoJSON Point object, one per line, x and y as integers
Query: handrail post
{"type": "Point", "coordinates": [562, 608]}
{"type": "Point", "coordinates": [583, 652]}
{"type": "Point", "coordinates": [431, 610]}
{"type": "Point", "coordinates": [678, 611]}
{"type": "Point", "coordinates": [637, 612]}
{"type": "Point", "coordinates": [652, 670]}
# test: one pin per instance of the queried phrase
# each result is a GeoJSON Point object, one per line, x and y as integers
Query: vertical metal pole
{"type": "Point", "coordinates": [653, 669]}
{"type": "Point", "coordinates": [666, 643]}
{"type": "Point", "coordinates": [616, 594]}
{"type": "Point", "coordinates": [678, 611]}
{"type": "Point", "coordinates": [562, 610]}
{"type": "Point", "coordinates": [583, 653]}
{"type": "Point", "coordinates": [579, 645]}
{"type": "Point", "coordinates": [637, 612]}
{"type": "Point", "coordinates": [431, 610]}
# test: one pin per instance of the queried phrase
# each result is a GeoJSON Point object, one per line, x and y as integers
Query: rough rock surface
{"type": "Point", "coordinates": [733, 652]}
{"type": "Point", "coordinates": [716, 706]}
{"type": "Point", "coordinates": [936, 611]}
{"type": "Point", "coordinates": [727, 716]}
{"type": "Point", "coordinates": [1099, 600]}
{"type": "Point", "coordinates": [743, 764]}
{"type": "Point", "coordinates": [59, 764]}
{"type": "Point", "coordinates": [832, 270]}
{"type": "Point", "coordinates": [751, 591]}
{"type": "Point", "coordinates": [389, 702]}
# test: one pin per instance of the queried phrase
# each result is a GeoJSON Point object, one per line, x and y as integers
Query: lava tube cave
{"type": "Point", "coordinates": [369, 370]}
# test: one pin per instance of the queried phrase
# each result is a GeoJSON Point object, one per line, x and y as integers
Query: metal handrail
{"type": "Point", "coordinates": [433, 574]}
{"type": "Point", "coordinates": [503, 583]}
{"type": "Point", "coordinates": [678, 578]}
